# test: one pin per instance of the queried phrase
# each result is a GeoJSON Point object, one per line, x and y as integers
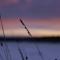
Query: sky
{"type": "Point", "coordinates": [40, 16]}
{"type": "Point", "coordinates": [37, 28]}
{"type": "Point", "coordinates": [30, 8]}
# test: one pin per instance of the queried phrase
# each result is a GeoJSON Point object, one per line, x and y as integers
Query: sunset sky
{"type": "Point", "coordinates": [37, 28]}
{"type": "Point", "coordinates": [30, 8]}
{"type": "Point", "coordinates": [42, 17]}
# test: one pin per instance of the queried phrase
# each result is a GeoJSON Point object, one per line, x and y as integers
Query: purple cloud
{"type": "Point", "coordinates": [31, 7]}
{"type": "Point", "coordinates": [8, 2]}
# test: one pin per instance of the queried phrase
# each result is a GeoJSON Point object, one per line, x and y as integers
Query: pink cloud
{"type": "Point", "coordinates": [8, 2]}
{"type": "Point", "coordinates": [12, 1]}
{"type": "Point", "coordinates": [29, 2]}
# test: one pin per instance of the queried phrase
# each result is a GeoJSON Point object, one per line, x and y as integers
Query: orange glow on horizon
{"type": "Point", "coordinates": [12, 27]}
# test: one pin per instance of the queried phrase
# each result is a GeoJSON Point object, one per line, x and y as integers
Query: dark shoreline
{"type": "Point", "coordinates": [33, 39]}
